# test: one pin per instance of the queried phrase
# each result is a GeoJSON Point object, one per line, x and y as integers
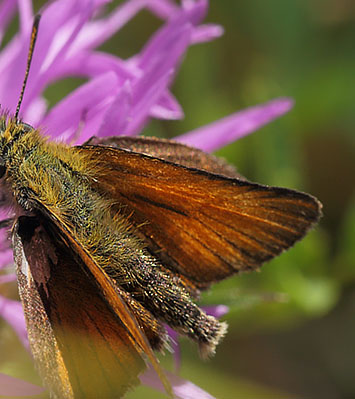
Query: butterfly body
{"type": "Point", "coordinates": [116, 238]}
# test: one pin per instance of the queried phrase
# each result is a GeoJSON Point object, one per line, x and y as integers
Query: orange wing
{"type": "Point", "coordinates": [202, 225]}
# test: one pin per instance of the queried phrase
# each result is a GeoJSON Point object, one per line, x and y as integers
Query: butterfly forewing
{"type": "Point", "coordinates": [202, 225]}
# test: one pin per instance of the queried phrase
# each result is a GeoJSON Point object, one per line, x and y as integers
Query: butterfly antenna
{"type": "Point", "coordinates": [29, 59]}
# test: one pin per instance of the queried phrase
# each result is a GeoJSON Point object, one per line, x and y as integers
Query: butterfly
{"type": "Point", "coordinates": [117, 238]}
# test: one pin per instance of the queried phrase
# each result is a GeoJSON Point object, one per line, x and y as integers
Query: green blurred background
{"type": "Point", "coordinates": [292, 325]}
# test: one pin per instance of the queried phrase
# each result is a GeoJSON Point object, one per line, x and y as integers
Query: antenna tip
{"type": "Point", "coordinates": [37, 19]}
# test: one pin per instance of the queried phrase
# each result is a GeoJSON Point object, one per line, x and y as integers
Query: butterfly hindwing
{"type": "Point", "coordinates": [170, 151]}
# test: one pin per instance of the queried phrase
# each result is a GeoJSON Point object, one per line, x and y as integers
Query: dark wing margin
{"type": "Point", "coordinates": [202, 225]}
{"type": "Point", "coordinates": [80, 346]}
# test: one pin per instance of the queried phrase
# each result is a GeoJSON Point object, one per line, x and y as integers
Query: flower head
{"type": "Point", "coordinates": [119, 96]}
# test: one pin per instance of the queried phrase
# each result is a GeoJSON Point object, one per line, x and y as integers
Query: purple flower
{"type": "Point", "coordinates": [119, 97]}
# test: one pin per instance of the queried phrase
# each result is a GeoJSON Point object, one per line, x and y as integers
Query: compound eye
{"type": "Point", "coordinates": [2, 170]}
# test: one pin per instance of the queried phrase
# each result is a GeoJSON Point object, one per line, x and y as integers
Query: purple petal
{"type": "Point", "coordinates": [7, 278]}
{"type": "Point", "coordinates": [199, 9]}
{"type": "Point", "coordinates": [92, 64]}
{"type": "Point", "coordinates": [95, 33]}
{"type": "Point", "coordinates": [217, 310]}
{"type": "Point", "coordinates": [157, 71]}
{"type": "Point", "coordinates": [206, 33]}
{"type": "Point", "coordinates": [182, 389]}
{"type": "Point", "coordinates": [5, 251]}
{"type": "Point", "coordinates": [159, 60]}
{"type": "Point", "coordinates": [174, 343]}
{"type": "Point", "coordinates": [64, 119]}
{"type": "Point", "coordinates": [4, 238]}
{"type": "Point", "coordinates": [10, 386]}
{"type": "Point", "coordinates": [115, 118]}
{"type": "Point", "coordinates": [163, 9]}
{"type": "Point", "coordinates": [61, 21]}
{"type": "Point", "coordinates": [26, 15]}
{"type": "Point", "coordinates": [126, 116]}
{"type": "Point", "coordinates": [36, 111]}
{"type": "Point", "coordinates": [6, 258]}
{"type": "Point", "coordinates": [233, 127]}
{"type": "Point", "coordinates": [164, 38]}
{"type": "Point", "coordinates": [4, 212]}
{"type": "Point", "coordinates": [12, 59]}
{"type": "Point", "coordinates": [147, 93]}
{"type": "Point", "coordinates": [12, 312]}
{"type": "Point", "coordinates": [167, 108]}
{"type": "Point", "coordinates": [7, 9]}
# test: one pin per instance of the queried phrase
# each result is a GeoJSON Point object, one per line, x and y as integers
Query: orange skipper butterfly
{"type": "Point", "coordinates": [116, 238]}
